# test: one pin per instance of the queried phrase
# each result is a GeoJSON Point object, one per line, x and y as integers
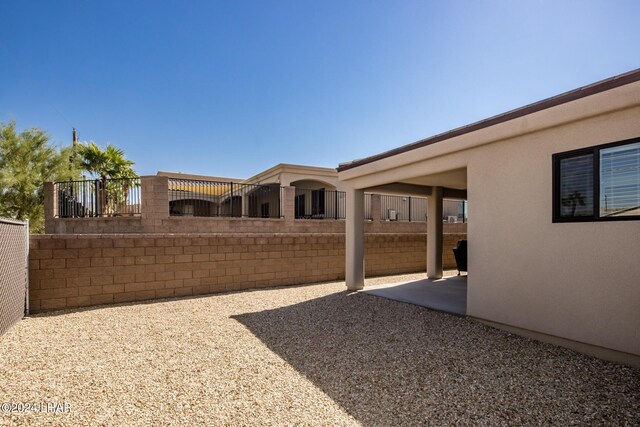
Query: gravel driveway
{"type": "Point", "coordinates": [308, 355]}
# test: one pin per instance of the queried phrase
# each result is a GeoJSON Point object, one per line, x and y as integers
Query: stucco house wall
{"type": "Point", "coordinates": [575, 281]}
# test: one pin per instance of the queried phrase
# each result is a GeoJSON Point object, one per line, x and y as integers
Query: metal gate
{"type": "Point", "coordinates": [14, 272]}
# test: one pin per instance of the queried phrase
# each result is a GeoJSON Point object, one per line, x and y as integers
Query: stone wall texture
{"type": "Point", "coordinates": [67, 271]}
{"type": "Point", "coordinates": [168, 224]}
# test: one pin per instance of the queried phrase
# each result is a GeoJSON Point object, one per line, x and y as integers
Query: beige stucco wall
{"type": "Point", "coordinates": [579, 281]}
{"type": "Point", "coordinates": [574, 280]}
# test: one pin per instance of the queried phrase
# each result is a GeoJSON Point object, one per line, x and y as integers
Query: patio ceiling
{"type": "Point", "coordinates": [453, 182]}
{"type": "Point", "coordinates": [456, 179]}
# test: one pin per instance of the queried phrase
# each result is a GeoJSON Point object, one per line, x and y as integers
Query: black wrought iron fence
{"type": "Point", "coordinates": [96, 198]}
{"type": "Point", "coordinates": [320, 204]}
{"type": "Point", "coordinates": [190, 197]}
{"type": "Point", "coordinates": [368, 207]}
{"type": "Point", "coordinates": [403, 208]}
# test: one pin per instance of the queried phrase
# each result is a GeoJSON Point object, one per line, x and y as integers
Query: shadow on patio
{"type": "Point", "coordinates": [389, 363]}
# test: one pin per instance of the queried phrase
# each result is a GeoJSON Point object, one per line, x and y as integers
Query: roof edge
{"type": "Point", "coordinates": [286, 167]}
{"type": "Point", "coordinates": [563, 98]}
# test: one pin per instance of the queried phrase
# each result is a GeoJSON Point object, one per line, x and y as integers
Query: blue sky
{"type": "Point", "coordinates": [233, 87]}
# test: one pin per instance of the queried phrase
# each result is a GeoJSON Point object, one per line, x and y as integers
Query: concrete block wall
{"type": "Point", "coordinates": [68, 271]}
{"type": "Point", "coordinates": [137, 225]}
{"type": "Point", "coordinates": [155, 198]}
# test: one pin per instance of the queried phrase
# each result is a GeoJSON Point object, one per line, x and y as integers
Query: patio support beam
{"type": "Point", "coordinates": [354, 273]}
{"type": "Point", "coordinates": [434, 234]}
{"type": "Point", "coordinates": [402, 189]}
{"type": "Point", "coordinates": [451, 193]}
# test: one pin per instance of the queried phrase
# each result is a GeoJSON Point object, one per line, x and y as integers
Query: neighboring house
{"type": "Point", "coordinates": [318, 191]}
{"type": "Point", "coordinates": [171, 202]}
{"type": "Point", "coordinates": [318, 194]}
{"type": "Point", "coordinates": [190, 196]}
{"type": "Point", "coordinates": [554, 193]}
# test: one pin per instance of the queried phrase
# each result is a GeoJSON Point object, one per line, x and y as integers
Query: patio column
{"type": "Point", "coordinates": [434, 234]}
{"type": "Point", "coordinates": [354, 273]}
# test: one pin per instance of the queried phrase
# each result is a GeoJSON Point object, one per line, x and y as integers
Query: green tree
{"type": "Point", "coordinates": [109, 163]}
{"type": "Point", "coordinates": [27, 160]}
{"type": "Point", "coordinates": [114, 171]}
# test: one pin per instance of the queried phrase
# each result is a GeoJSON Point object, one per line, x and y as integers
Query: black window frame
{"type": "Point", "coordinates": [595, 152]}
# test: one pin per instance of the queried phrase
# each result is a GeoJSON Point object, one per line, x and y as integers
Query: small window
{"type": "Point", "coordinates": [597, 183]}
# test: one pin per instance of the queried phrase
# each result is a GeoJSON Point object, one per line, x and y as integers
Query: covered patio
{"type": "Point", "coordinates": [448, 294]}
{"type": "Point", "coordinates": [537, 266]}
{"type": "Point", "coordinates": [436, 181]}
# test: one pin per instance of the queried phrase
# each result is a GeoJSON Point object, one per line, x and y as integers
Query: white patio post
{"type": "Point", "coordinates": [354, 265]}
{"type": "Point", "coordinates": [434, 234]}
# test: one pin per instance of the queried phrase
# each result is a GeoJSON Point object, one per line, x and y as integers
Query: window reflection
{"type": "Point", "coordinates": [620, 180]}
{"type": "Point", "coordinates": [576, 186]}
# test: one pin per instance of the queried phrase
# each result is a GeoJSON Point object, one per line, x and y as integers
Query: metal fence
{"type": "Point", "coordinates": [95, 198]}
{"type": "Point", "coordinates": [14, 272]}
{"type": "Point", "coordinates": [414, 209]}
{"type": "Point", "coordinates": [403, 208]}
{"type": "Point", "coordinates": [320, 204]}
{"type": "Point", "coordinates": [190, 197]}
{"type": "Point", "coordinates": [368, 207]}
{"type": "Point", "coordinates": [454, 211]}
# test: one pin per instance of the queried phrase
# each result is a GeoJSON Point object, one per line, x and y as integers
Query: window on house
{"type": "Point", "coordinates": [576, 186]}
{"type": "Point", "coordinates": [597, 183]}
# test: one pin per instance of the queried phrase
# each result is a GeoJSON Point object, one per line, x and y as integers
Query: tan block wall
{"type": "Point", "coordinates": [136, 225]}
{"type": "Point", "coordinates": [69, 271]}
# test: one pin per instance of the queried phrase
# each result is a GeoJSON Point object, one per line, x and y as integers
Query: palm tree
{"type": "Point", "coordinates": [107, 164]}
{"type": "Point", "coordinates": [574, 200]}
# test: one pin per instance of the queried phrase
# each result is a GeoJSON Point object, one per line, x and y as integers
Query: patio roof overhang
{"type": "Point", "coordinates": [436, 167]}
{"type": "Point", "coordinates": [545, 104]}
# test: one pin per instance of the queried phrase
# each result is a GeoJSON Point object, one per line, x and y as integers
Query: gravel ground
{"type": "Point", "coordinates": [307, 355]}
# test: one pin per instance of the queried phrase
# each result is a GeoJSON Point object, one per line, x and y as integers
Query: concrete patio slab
{"type": "Point", "coordinates": [448, 294]}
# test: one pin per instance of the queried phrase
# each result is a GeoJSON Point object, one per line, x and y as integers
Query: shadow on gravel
{"type": "Point", "coordinates": [389, 363]}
